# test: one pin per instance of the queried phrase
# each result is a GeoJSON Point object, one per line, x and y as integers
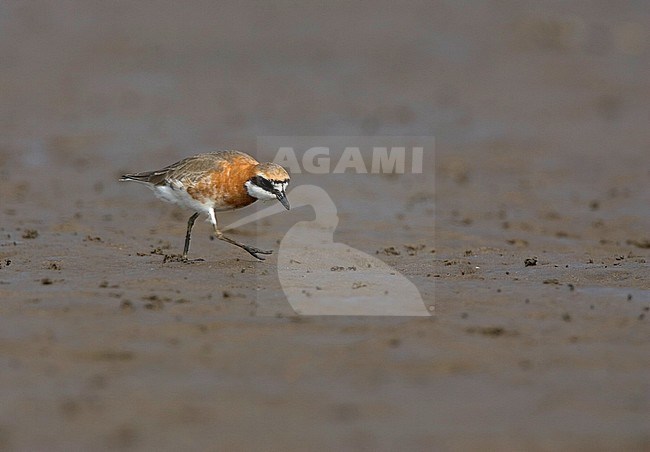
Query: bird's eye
{"type": "Point", "coordinates": [263, 183]}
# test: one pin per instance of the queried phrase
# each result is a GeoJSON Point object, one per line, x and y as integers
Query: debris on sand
{"type": "Point", "coordinates": [412, 250]}
{"type": "Point", "coordinates": [531, 261]}
{"type": "Point", "coordinates": [30, 234]}
{"type": "Point", "coordinates": [491, 331]}
{"type": "Point", "coordinates": [390, 251]}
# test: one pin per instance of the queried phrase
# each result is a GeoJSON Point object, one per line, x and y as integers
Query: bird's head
{"type": "Point", "coordinates": [269, 182]}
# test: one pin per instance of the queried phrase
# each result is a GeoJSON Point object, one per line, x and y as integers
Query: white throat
{"type": "Point", "coordinates": [258, 192]}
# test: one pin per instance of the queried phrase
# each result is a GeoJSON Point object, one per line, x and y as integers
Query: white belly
{"type": "Point", "coordinates": [180, 197]}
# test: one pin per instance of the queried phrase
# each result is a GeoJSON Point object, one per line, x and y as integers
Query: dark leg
{"type": "Point", "coordinates": [190, 224]}
{"type": "Point", "coordinates": [250, 249]}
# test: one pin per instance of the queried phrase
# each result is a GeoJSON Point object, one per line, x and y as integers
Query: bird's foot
{"type": "Point", "coordinates": [180, 258]}
{"type": "Point", "coordinates": [255, 251]}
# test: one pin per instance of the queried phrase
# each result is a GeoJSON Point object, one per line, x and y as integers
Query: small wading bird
{"type": "Point", "coordinates": [216, 181]}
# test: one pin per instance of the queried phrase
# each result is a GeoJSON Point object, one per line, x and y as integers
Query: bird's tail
{"type": "Point", "coordinates": [148, 177]}
{"type": "Point", "coordinates": [143, 178]}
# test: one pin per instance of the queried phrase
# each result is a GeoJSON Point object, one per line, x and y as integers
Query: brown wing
{"type": "Point", "coordinates": [191, 169]}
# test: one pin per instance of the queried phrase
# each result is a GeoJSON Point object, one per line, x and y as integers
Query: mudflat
{"type": "Point", "coordinates": [526, 233]}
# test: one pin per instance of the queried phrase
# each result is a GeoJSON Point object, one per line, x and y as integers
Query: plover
{"type": "Point", "coordinates": [216, 181]}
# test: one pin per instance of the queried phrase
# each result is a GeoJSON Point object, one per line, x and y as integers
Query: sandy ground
{"type": "Point", "coordinates": [540, 116]}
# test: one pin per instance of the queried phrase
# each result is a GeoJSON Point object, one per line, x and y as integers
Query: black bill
{"type": "Point", "coordinates": [283, 200]}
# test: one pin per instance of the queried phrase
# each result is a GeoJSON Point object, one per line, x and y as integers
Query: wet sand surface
{"type": "Point", "coordinates": [540, 116]}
